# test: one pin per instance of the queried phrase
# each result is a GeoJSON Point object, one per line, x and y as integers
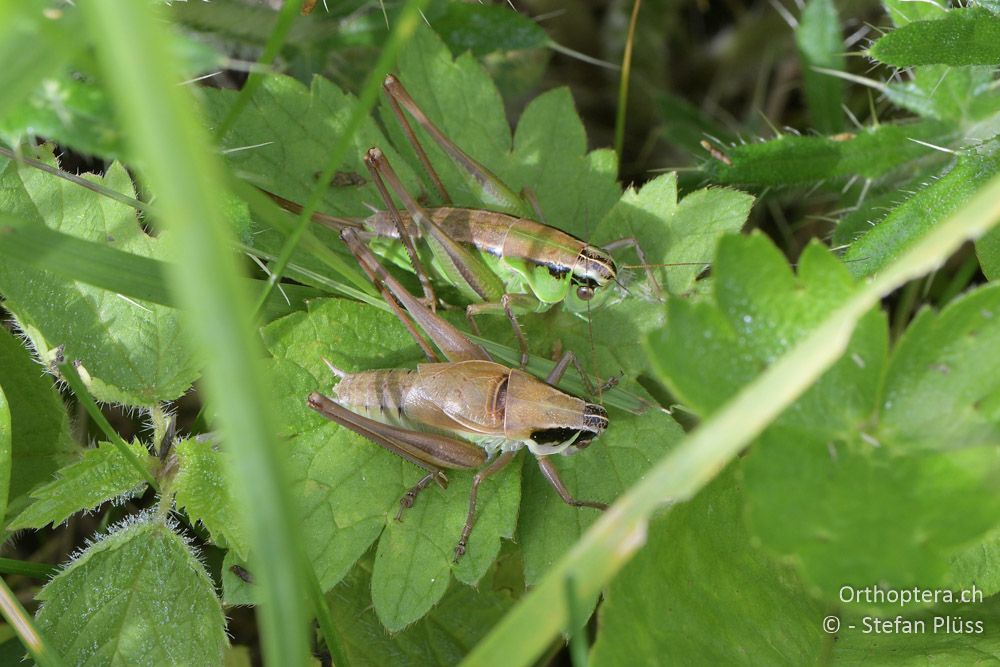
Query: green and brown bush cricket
{"type": "Point", "coordinates": [464, 413]}
{"type": "Point", "coordinates": [501, 260]}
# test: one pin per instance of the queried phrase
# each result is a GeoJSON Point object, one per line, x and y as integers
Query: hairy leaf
{"type": "Point", "coordinates": [131, 352]}
{"type": "Point", "coordinates": [101, 475]}
{"type": "Point", "coordinates": [40, 434]}
{"type": "Point", "coordinates": [911, 220]}
{"type": "Point", "coordinates": [204, 494]}
{"type": "Point", "coordinates": [963, 36]}
{"type": "Point", "coordinates": [789, 160]}
{"type": "Point", "coordinates": [137, 596]}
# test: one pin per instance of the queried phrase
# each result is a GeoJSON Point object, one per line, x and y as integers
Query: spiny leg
{"type": "Point", "coordinates": [412, 138]}
{"type": "Point", "coordinates": [506, 300]}
{"type": "Point", "coordinates": [552, 476]}
{"type": "Point", "coordinates": [493, 468]}
{"type": "Point", "coordinates": [375, 168]}
{"type": "Point", "coordinates": [491, 189]}
{"type": "Point", "coordinates": [630, 242]}
{"type": "Point", "coordinates": [406, 502]}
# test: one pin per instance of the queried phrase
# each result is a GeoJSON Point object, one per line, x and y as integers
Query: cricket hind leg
{"type": "Point", "coordinates": [552, 477]}
{"type": "Point", "coordinates": [493, 468]}
{"type": "Point", "coordinates": [630, 242]}
{"type": "Point", "coordinates": [376, 169]}
{"type": "Point", "coordinates": [491, 189]}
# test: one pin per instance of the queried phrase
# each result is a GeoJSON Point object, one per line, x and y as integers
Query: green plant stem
{"type": "Point", "coordinates": [624, 81]}
{"type": "Point", "coordinates": [68, 371]}
{"type": "Point", "coordinates": [619, 533]}
{"type": "Point", "coordinates": [26, 569]}
{"type": "Point", "coordinates": [29, 635]}
{"type": "Point", "coordinates": [283, 23]}
{"type": "Point", "coordinates": [406, 23]}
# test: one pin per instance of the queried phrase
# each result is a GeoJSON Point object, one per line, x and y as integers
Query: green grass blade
{"type": "Point", "coordinates": [92, 263]}
{"type": "Point", "coordinates": [612, 541]}
{"type": "Point", "coordinates": [275, 40]}
{"type": "Point", "coordinates": [820, 45]}
{"type": "Point", "coordinates": [20, 620]}
{"type": "Point", "coordinates": [163, 129]}
{"type": "Point", "coordinates": [26, 569]}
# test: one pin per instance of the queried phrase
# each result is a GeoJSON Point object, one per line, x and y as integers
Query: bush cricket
{"type": "Point", "coordinates": [500, 260]}
{"type": "Point", "coordinates": [461, 414]}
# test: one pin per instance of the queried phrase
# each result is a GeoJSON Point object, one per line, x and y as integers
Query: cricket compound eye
{"type": "Point", "coordinates": [585, 292]}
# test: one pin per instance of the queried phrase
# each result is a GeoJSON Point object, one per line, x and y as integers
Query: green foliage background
{"type": "Point", "coordinates": [810, 425]}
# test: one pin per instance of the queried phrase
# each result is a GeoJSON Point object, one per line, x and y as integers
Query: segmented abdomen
{"type": "Point", "coordinates": [380, 395]}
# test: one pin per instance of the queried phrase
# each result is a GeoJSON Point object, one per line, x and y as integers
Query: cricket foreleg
{"type": "Point", "coordinates": [555, 375]}
{"type": "Point", "coordinates": [630, 242]}
{"type": "Point", "coordinates": [552, 476]}
{"type": "Point", "coordinates": [505, 305]}
{"type": "Point", "coordinates": [493, 468]}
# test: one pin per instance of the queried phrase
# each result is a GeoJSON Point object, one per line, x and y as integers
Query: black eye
{"type": "Point", "coordinates": [585, 293]}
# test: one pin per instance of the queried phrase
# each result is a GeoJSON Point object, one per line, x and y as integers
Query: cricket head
{"type": "Point", "coordinates": [547, 420]}
{"type": "Point", "coordinates": [592, 274]}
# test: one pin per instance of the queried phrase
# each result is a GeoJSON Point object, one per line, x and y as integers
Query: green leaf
{"type": "Point", "coordinates": [871, 153]}
{"type": "Point", "coordinates": [444, 636]}
{"type": "Point", "coordinates": [702, 573]}
{"type": "Point", "coordinates": [203, 492]}
{"type": "Point", "coordinates": [132, 351]}
{"type": "Point", "coordinates": [955, 634]}
{"type": "Point", "coordinates": [5, 453]}
{"type": "Point", "coordinates": [914, 218]}
{"type": "Point", "coordinates": [961, 37]}
{"type": "Point", "coordinates": [137, 596]}
{"type": "Point", "coordinates": [483, 29]}
{"type": "Point", "coordinates": [101, 475]}
{"type": "Point", "coordinates": [679, 238]}
{"type": "Point", "coordinates": [68, 111]}
{"type": "Point", "coordinates": [41, 439]}
{"type": "Point", "coordinates": [34, 44]}
{"type": "Point", "coordinates": [821, 45]}
{"type": "Point", "coordinates": [867, 471]}
{"type": "Point", "coordinates": [946, 93]}
{"type": "Point", "coordinates": [944, 360]}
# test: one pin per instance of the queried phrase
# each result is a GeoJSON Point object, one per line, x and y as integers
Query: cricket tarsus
{"type": "Point", "coordinates": [496, 466]}
{"type": "Point", "coordinates": [406, 502]}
